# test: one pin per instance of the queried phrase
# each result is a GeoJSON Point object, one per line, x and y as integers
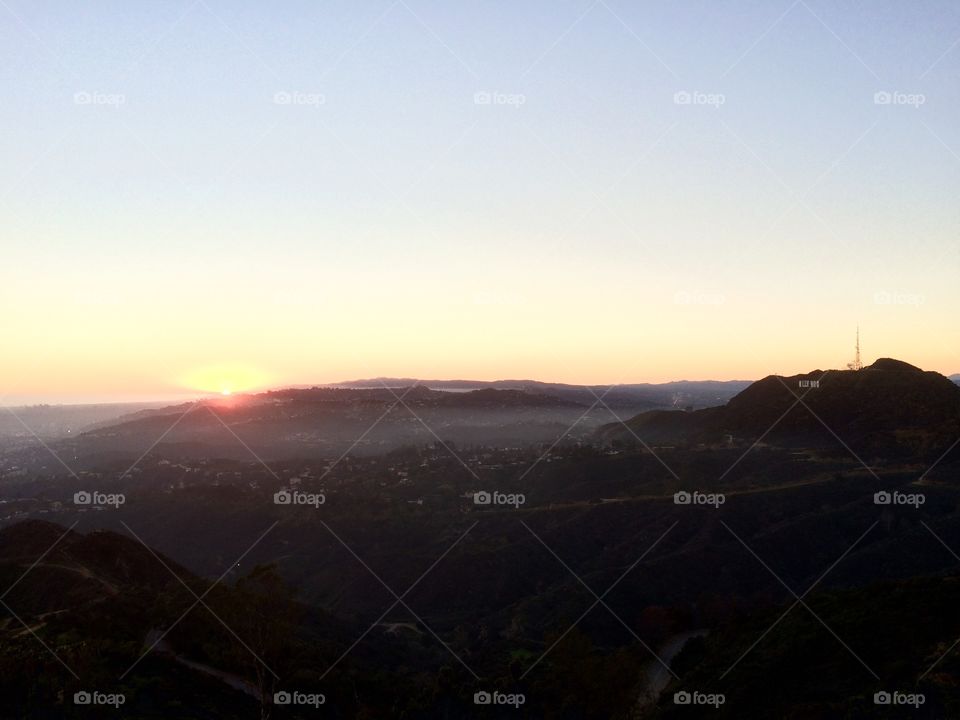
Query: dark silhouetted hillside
{"type": "Point", "coordinates": [887, 408]}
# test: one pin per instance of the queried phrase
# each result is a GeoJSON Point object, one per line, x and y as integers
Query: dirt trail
{"type": "Point", "coordinates": [156, 640]}
{"type": "Point", "coordinates": [658, 677]}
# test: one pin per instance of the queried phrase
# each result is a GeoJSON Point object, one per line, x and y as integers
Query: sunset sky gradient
{"type": "Point", "coordinates": [199, 233]}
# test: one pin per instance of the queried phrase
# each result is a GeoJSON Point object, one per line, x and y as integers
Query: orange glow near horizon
{"type": "Point", "coordinates": [225, 379]}
{"type": "Point", "coordinates": [145, 377]}
{"type": "Point", "coordinates": [199, 350]}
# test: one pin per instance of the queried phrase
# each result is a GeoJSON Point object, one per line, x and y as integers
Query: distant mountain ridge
{"type": "Point", "coordinates": [51, 421]}
{"type": "Point", "coordinates": [677, 393]}
{"type": "Point", "coordinates": [328, 421]}
{"type": "Point", "coordinates": [382, 415]}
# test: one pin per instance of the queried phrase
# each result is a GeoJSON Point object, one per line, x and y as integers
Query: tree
{"type": "Point", "coordinates": [265, 615]}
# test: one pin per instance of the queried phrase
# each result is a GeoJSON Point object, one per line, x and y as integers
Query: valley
{"type": "Point", "coordinates": [399, 574]}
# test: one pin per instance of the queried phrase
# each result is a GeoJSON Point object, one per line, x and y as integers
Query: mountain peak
{"type": "Point", "coordinates": [889, 408]}
{"type": "Point", "coordinates": [890, 364]}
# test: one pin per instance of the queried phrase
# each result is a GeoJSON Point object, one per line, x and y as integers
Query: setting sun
{"type": "Point", "coordinates": [224, 379]}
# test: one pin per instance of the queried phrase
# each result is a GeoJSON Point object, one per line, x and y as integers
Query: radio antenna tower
{"type": "Point", "coordinates": [856, 364]}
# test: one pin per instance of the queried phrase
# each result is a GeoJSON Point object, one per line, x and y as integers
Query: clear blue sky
{"type": "Point", "coordinates": [164, 211]}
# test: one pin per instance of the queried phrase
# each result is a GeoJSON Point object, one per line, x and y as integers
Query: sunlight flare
{"type": "Point", "coordinates": [224, 379]}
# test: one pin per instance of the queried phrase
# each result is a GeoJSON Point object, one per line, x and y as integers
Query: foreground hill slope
{"type": "Point", "coordinates": [101, 610]}
{"type": "Point", "coordinates": [837, 678]}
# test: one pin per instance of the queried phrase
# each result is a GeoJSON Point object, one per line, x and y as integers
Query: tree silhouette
{"type": "Point", "coordinates": [266, 617]}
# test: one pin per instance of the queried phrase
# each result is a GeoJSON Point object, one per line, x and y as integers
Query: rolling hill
{"type": "Point", "coordinates": [888, 408]}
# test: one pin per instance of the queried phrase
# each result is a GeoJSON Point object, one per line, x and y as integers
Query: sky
{"type": "Point", "coordinates": [209, 195]}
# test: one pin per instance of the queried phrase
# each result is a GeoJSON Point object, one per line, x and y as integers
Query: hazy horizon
{"type": "Point", "coordinates": [180, 396]}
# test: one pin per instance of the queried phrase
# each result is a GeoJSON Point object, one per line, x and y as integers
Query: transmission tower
{"type": "Point", "coordinates": [856, 364]}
